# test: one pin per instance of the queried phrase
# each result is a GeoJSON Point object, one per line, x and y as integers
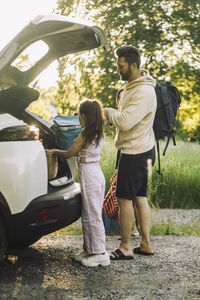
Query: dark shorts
{"type": "Point", "coordinates": [132, 177]}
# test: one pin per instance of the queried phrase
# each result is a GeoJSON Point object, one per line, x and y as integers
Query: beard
{"type": "Point", "coordinates": [126, 75]}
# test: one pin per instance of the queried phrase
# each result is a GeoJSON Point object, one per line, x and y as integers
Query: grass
{"type": "Point", "coordinates": [180, 166]}
{"type": "Point", "coordinates": [178, 230]}
{"type": "Point", "coordinates": [162, 228]}
{"type": "Point", "coordinates": [72, 230]}
{"type": "Point", "coordinates": [181, 178]}
{"type": "Point", "coordinates": [108, 160]}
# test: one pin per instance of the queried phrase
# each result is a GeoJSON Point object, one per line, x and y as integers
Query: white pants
{"type": "Point", "coordinates": [92, 184]}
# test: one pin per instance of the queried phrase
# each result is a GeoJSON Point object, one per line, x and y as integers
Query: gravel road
{"type": "Point", "coordinates": [47, 270]}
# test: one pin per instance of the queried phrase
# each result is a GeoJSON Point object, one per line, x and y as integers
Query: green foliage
{"type": "Point", "coordinates": [167, 32]}
{"type": "Point", "coordinates": [181, 175]}
{"type": "Point", "coordinates": [108, 160]}
{"type": "Point", "coordinates": [72, 230]}
{"type": "Point", "coordinates": [187, 80]}
{"type": "Point", "coordinates": [66, 99]}
{"type": "Point", "coordinates": [163, 228]}
{"type": "Point", "coordinates": [170, 228]}
{"type": "Point", "coordinates": [40, 106]}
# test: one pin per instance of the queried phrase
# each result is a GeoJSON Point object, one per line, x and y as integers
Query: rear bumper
{"type": "Point", "coordinates": [46, 214]}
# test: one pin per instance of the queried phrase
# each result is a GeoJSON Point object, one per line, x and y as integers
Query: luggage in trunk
{"type": "Point", "coordinates": [67, 129]}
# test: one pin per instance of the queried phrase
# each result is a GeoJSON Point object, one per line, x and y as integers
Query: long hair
{"type": "Point", "coordinates": [94, 120]}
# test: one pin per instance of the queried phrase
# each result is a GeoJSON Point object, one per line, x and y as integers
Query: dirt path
{"type": "Point", "coordinates": [47, 271]}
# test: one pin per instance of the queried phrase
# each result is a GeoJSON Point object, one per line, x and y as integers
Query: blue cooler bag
{"type": "Point", "coordinates": [67, 130]}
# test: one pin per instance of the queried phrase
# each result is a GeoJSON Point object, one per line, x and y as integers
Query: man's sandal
{"type": "Point", "coordinates": [137, 250]}
{"type": "Point", "coordinates": [119, 255]}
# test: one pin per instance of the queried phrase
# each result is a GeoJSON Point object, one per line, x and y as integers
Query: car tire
{"type": "Point", "coordinates": [3, 240]}
{"type": "Point", "coordinates": [25, 244]}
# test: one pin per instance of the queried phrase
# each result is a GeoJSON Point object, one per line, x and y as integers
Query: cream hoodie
{"type": "Point", "coordinates": [135, 115]}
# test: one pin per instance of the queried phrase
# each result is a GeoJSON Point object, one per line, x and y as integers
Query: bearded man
{"type": "Point", "coordinates": [135, 140]}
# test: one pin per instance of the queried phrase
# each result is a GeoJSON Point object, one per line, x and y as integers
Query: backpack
{"type": "Point", "coordinates": [168, 102]}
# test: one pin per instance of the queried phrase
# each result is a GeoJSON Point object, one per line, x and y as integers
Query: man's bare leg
{"type": "Point", "coordinates": [136, 217]}
{"type": "Point", "coordinates": [126, 223]}
{"type": "Point", "coordinates": [144, 221]}
{"type": "Point", "coordinates": [134, 226]}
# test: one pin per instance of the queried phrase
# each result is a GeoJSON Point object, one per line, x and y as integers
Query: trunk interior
{"type": "Point", "coordinates": [49, 140]}
{"type": "Point", "coordinates": [14, 101]}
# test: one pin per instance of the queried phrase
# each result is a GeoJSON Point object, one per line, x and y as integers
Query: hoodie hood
{"type": "Point", "coordinates": [145, 79]}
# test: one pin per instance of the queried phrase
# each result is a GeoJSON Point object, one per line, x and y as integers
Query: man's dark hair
{"type": "Point", "coordinates": [131, 54]}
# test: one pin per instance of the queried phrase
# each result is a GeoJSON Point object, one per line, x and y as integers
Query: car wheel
{"type": "Point", "coordinates": [26, 244]}
{"type": "Point", "coordinates": [3, 240]}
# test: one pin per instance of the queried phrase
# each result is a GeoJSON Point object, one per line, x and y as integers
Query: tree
{"type": "Point", "coordinates": [189, 116]}
{"type": "Point", "coordinates": [167, 32]}
{"type": "Point", "coordinates": [41, 106]}
{"type": "Point", "coordinates": [67, 97]}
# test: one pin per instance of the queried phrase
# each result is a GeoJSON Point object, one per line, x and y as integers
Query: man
{"type": "Point", "coordinates": [135, 138]}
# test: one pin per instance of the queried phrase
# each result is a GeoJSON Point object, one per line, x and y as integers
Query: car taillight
{"type": "Point", "coordinates": [19, 133]}
{"type": "Point", "coordinates": [43, 215]}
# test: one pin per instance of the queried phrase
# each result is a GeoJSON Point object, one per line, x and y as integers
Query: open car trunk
{"type": "Point", "coordinates": [48, 138]}
{"type": "Point", "coordinates": [62, 36]}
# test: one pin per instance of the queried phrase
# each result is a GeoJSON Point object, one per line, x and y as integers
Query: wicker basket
{"type": "Point", "coordinates": [52, 163]}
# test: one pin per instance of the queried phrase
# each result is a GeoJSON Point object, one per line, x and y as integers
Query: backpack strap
{"type": "Point", "coordinates": [171, 134]}
{"type": "Point", "coordinates": [166, 102]}
{"type": "Point", "coordinates": [158, 151]}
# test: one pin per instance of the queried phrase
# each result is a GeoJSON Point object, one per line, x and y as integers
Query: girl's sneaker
{"type": "Point", "coordinates": [79, 256]}
{"type": "Point", "coordinates": [96, 260]}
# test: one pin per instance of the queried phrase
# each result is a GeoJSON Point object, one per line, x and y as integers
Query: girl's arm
{"type": "Point", "coordinates": [75, 148]}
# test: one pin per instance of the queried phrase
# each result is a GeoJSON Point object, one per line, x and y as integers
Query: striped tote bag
{"type": "Point", "coordinates": [110, 204]}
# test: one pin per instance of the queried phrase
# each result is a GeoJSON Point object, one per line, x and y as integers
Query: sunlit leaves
{"type": "Point", "coordinates": [166, 32]}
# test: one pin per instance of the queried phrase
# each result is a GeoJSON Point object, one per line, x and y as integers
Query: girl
{"type": "Point", "coordinates": [87, 148]}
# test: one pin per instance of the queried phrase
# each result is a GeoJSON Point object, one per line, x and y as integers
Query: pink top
{"type": "Point", "coordinates": [92, 153]}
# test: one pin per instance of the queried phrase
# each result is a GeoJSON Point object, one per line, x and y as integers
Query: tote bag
{"type": "Point", "coordinates": [110, 204]}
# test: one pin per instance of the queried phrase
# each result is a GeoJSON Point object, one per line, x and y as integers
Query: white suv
{"type": "Point", "coordinates": [31, 205]}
